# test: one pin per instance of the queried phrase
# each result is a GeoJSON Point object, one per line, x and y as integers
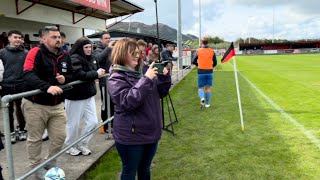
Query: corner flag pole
{"type": "Point", "coordinates": [238, 92]}
{"type": "Point", "coordinates": [226, 57]}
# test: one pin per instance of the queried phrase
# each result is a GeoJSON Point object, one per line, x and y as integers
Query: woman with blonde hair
{"type": "Point", "coordinates": [153, 55]}
{"type": "Point", "coordinates": [137, 119]}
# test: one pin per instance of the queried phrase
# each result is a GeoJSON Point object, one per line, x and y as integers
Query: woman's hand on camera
{"type": "Point", "coordinates": [151, 72]}
{"type": "Point", "coordinates": [165, 71]}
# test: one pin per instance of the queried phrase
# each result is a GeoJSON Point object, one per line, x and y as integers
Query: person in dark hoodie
{"type": "Point", "coordinates": [103, 53]}
{"type": "Point", "coordinates": [13, 57]}
{"type": "Point", "coordinates": [166, 53]}
{"type": "Point", "coordinates": [80, 103]}
{"type": "Point", "coordinates": [137, 123]}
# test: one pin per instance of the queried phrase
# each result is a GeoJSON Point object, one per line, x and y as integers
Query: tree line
{"type": "Point", "coordinates": [219, 43]}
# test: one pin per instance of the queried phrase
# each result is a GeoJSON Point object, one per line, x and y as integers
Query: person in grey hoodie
{"type": "Point", "coordinates": [13, 57]}
{"type": "Point", "coordinates": [137, 123]}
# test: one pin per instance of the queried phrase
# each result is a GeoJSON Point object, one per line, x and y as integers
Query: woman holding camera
{"type": "Point", "coordinates": [137, 118]}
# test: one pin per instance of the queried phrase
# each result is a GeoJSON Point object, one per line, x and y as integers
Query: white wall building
{"type": "Point", "coordinates": [70, 17]}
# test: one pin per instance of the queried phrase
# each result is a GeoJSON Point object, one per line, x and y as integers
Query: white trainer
{"type": "Point", "coordinates": [207, 105]}
{"type": "Point", "coordinates": [73, 151]}
{"type": "Point", "coordinates": [13, 137]}
{"type": "Point", "coordinates": [202, 101]}
{"type": "Point", "coordinates": [84, 150]}
{"type": "Point", "coordinates": [45, 135]}
{"type": "Point", "coordinates": [22, 136]}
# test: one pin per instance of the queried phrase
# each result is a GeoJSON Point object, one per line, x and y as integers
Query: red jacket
{"type": "Point", "coordinates": [40, 70]}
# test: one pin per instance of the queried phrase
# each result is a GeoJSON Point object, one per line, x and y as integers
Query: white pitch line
{"type": "Point", "coordinates": [306, 132]}
{"type": "Point", "coordinates": [314, 131]}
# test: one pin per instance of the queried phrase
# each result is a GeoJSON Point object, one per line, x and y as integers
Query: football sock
{"type": "Point", "coordinates": [208, 95]}
{"type": "Point", "coordinates": [201, 93]}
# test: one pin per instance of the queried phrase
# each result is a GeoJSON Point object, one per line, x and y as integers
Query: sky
{"type": "Point", "coordinates": [232, 19]}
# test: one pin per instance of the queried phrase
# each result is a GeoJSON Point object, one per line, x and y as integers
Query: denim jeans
{"type": "Point", "coordinates": [136, 159]}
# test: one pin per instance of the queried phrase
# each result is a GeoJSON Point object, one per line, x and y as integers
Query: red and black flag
{"type": "Point", "coordinates": [229, 54]}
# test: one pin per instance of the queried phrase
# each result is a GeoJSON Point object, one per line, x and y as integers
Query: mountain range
{"type": "Point", "coordinates": [165, 31]}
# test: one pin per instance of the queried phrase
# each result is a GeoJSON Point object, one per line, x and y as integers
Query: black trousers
{"type": "Point", "coordinates": [1, 177]}
{"type": "Point", "coordinates": [104, 106]}
{"type": "Point", "coordinates": [12, 89]}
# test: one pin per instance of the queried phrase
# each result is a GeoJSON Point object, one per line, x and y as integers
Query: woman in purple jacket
{"type": "Point", "coordinates": [137, 118]}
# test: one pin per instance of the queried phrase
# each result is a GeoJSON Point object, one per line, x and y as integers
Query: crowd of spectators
{"type": "Point", "coordinates": [56, 114]}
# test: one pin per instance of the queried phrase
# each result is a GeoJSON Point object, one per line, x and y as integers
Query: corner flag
{"type": "Point", "coordinates": [229, 54]}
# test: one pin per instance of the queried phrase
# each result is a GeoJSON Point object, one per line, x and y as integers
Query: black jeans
{"type": "Point", "coordinates": [136, 158]}
{"type": "Point", "coordinates": [1, 177]}
{"type": "Point", "coordinates": [104, 107]}
{"type": "Point", "coordinates": [13, 89]}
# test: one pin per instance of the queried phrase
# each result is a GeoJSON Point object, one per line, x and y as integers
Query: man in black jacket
{"type": "Point", "coordinates": [46, 67]}
{"type": "Point", "coordinates": [166, 53]}
{"type": "Point", "coordinates": [13, 57]}
{"type": "Point", "coordinates": [103, 54]}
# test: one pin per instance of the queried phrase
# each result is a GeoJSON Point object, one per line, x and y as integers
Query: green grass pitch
{"type": "Point", "coordinates": [209, 143]}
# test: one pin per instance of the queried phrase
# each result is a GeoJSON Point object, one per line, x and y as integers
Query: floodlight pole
{"type": "Point", "coordinates": [158, 37]}
{"type": "Point", "coordinates": [273, 26]}
{"type": "Point", "coordinates": [179, 37]}
{"type": "Point", "coordinates": [199, 23]}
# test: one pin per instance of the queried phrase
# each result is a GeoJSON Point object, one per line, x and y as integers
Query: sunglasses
{"type": "Point", "coordinates": [135, 53]}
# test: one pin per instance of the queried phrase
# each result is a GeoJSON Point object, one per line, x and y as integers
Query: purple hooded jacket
{"type": "Point", "coordinates": [137, 117]}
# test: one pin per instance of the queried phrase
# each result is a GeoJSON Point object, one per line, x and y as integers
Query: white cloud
{"type": "Point", "coordinates": [232, 19]}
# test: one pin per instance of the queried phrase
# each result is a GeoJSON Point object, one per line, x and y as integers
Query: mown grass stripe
{"type": "Point", "coordinates": [309, 135]}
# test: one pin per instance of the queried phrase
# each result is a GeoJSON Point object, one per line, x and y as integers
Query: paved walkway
{"type": "Point", "coordinates": [74, 166]}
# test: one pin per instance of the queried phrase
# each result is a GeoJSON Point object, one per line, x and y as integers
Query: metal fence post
{"type": "Point", "coordinates": [8, 146]}
{"type": "Point", "coordinates": [109, 115]}
{"type": "Point", "coordinates": [178, 62]}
